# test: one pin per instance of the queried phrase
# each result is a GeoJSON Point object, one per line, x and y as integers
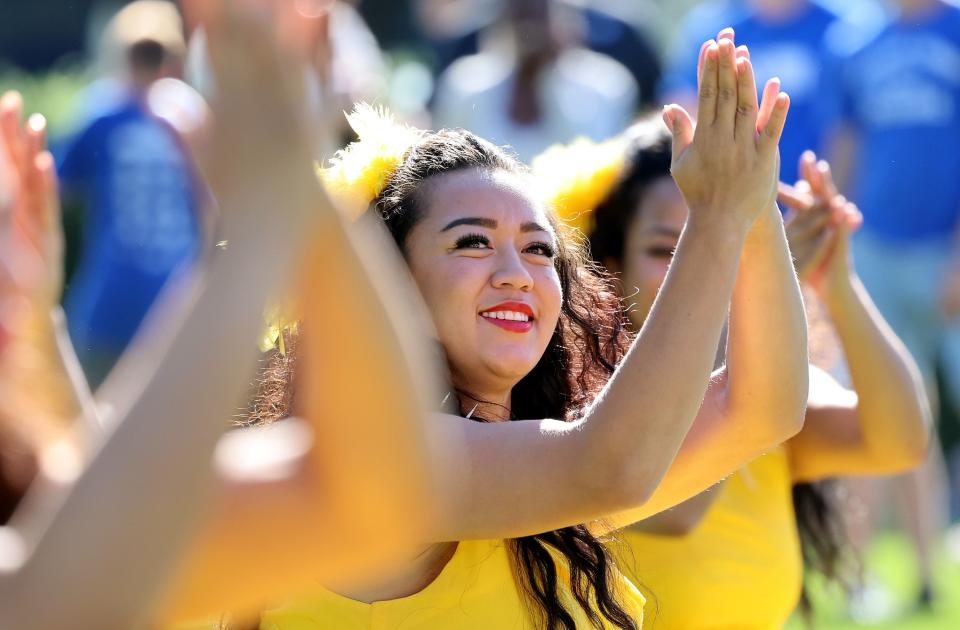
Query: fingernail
{"type": "Point", "coordinates": [37, 122]}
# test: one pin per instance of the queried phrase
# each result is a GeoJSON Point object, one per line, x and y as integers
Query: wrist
{"type": "Point", "coordinates": [720, 225]}
{"type": "Point", "coordinates": [838, 291]}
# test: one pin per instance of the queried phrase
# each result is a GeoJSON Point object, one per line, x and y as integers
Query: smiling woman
{"type": "Point", "coordinates": [561, 425]}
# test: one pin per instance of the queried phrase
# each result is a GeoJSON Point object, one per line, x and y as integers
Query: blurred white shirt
{"type": "Point", "coordinates": [582, 94]}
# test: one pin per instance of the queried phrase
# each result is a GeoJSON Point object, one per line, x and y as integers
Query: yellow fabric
{"type": "Point", "coordinates": [739, 568]}
{"type": "Point", "coordinates": [475, 591]}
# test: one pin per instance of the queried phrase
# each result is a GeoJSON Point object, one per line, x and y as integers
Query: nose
{"type": "Point", "coordinates": [510, 272]}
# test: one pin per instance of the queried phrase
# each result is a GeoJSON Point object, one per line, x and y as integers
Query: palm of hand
{"type": "Point", "coordinates": [726, 166]}
{"type": "Point", "coordinates": [31, 259]}
{"type": "Point", "coordinates": [819, 225]}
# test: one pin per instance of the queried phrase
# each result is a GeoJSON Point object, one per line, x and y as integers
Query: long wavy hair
{"type": "Point", "coordinates": [589, 340]}
{"type": "Point", "coordinates": [821, 528]}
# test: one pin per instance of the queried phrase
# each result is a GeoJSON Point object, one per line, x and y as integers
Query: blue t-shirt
{"type": "Point", "coordinates": [900, 92]}
{"type": "Point", "coordinates": [791, 50]}
{"type": "Point", "coordinates": [138, 192]}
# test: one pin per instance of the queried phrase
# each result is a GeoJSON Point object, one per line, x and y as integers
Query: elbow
{"type": "Point", "coordinates": [624, 485]}
{"type": "Point", "coordinates": [634, 489]}
{"type": "Point", "coordinates": [789, 406]}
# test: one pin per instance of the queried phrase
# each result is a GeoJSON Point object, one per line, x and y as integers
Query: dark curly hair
{"type": "Point", "coordinates": [821, 527]}
{"type": "Point", "coordinates": [589, 340]}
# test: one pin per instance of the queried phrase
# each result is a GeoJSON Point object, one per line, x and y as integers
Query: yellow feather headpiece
{"type": "Point", "coordinates": [357, 174]}
{"type": "Point", "coordinates": [578, 176]}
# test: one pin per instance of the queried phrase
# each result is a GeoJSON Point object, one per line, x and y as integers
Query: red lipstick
{"type": "Point", "coordinates": [512, 316]}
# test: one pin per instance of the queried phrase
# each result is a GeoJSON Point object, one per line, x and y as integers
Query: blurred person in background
{"type": "Point", "coordinates": [786, 39]}
{"type": "Point", "coordinates": [734, 556]}
{"type": "Point", "coordinates": [129, 182]}
{"type": "Point", "coordinates": [457, 28]}
{"type": "Point", "coordinates": [534, 85]}
{"type": "Point", "coordinates": [896, 115]}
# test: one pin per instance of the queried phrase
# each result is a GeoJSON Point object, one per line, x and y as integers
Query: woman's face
{"type": "Point", "coordinates": [482, 255]}
{"type": "Point", "coordinates": [650, 240]}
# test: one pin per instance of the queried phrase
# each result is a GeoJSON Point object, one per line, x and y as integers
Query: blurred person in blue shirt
{"type": "Point", "coordinates": [897, 147]}
{"type": "Point", "coordinates": [128, 177]}
{"type": "Point", "coordinates": [786, 40]}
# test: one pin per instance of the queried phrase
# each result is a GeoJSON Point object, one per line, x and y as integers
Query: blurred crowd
{"type": "Point", "coordinates": [873, 88]}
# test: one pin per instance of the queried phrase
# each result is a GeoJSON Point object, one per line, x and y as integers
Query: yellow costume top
{"type": "Point", "coordinates": [740, 567]}
{"type": "Point", "coordinates": [475, 591]}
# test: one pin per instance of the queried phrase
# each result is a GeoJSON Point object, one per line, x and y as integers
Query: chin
{"type": "Point", "coordinates": [512, 366]}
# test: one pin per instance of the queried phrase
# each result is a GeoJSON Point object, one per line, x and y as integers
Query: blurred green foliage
{"type": "Point", "coordinates": [52, 93]}
{"type": "Point", "coordinates": [891, 562]}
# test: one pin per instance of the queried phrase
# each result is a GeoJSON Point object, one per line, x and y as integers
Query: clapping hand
{"type": "Point", "coordinates": [819, 222]}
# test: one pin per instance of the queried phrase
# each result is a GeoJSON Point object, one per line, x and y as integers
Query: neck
{"type": "Point", "coordinates": [492, 406]}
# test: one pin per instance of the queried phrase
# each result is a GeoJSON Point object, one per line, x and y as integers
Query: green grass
{"type": "Point", "coordinates": [891, 561]}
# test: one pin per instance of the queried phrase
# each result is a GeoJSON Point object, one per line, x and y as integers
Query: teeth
{"type": "Point", "coordinates": [512, 316]}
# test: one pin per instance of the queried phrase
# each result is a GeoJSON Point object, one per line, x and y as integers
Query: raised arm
{"type": "Point", "coordinates": [354, 492]}
{"type": "Point", "coordinates": [105, 540]}
{"type": "Point", "coordinates": [883, 425]}
{"type": "Point", "coordinates": [527, 477]}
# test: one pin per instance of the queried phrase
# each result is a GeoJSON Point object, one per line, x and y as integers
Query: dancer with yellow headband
{"type": "Point", "coordinates": [557, 426]}
{"type": "Point", "coordinates": [732, 556]}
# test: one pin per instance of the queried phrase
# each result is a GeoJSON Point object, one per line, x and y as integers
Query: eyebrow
{"type": "Point", "coordinates": [530, 226]}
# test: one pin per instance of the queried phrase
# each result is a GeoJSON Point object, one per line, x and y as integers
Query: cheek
{"type": "Point", "coordinates": [550, 297]}
{"type": "Point", "coordinates": [450, 287]}
{"type": "Point", "coordinates": [644, 274]}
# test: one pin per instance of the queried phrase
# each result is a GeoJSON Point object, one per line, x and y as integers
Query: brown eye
{"type": "Point", "coordinates": [472, 241]}
{"type": "Point", "coordinates": [540, 249]}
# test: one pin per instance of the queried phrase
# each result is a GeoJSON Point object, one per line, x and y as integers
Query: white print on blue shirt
{"type": "Point", "coordinates": [154, 226]}
{"type": "Point", "coordinates": [908, 80]}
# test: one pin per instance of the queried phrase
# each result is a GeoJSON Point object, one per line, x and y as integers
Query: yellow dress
{"type": "Point", "coordinates": [475, 591]}
{"type": "Point", "coordinates": [741, 567]}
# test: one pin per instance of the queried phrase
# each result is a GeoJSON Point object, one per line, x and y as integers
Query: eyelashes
{"type": "Point", "coordinates": [472, 241]}
{"type": "Point", "coordinates": [661, 252]}
{"type": "Point", "coordinates": [479, 241]}
{"type": "Point", "coordinates": [545, 249]}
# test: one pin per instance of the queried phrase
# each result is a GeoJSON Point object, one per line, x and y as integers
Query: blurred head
{"type": "Point", "coordinates": [144, 41]}
{"type": "Point", "coordinates": [504, 285]}
{"type": "Point", "coordinates": [639, 223]}
{"type": "Point", "coordinates": [533, 26]}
